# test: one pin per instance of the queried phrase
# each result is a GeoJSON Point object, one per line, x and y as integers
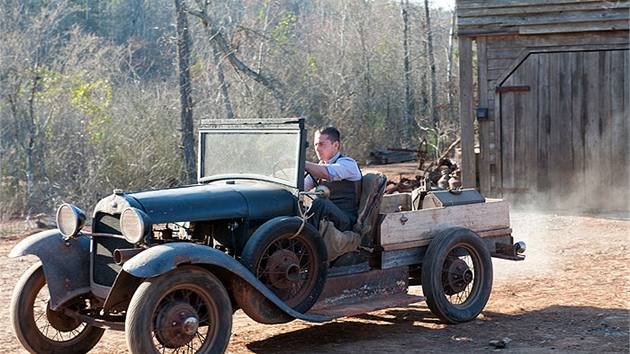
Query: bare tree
{"type": "Point", "coordinates": [449, 72]}
{"type": "Point", "coordinates": [237, 64]}
{"type": "Point", "coordinates": [27, 92]}
{"type": "Point", "coordinates": [185, 88]}
{"type": "Point", "coordinates": [223, 86]}
{"type": "Point", "coordinates": [408, 107]}
{"type": "Point", "coordinates": [433, 80]}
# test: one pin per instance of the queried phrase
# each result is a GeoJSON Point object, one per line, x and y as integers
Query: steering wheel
{"type": "Point", "coordinates": [308, 173]}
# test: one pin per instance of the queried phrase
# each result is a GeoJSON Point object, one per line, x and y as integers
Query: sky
{"type": "Point", "coordinates": [448, 4]}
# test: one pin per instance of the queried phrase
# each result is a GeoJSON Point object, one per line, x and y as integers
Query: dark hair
{"type": "Point", "coordinates": [331, 132]}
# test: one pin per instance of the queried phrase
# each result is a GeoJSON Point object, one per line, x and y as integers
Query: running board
{"type": "Point", "coordinates": [358, 293]}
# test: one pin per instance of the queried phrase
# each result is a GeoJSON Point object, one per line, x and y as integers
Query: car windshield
{"type": "Point", "coordinates": [252, 149]}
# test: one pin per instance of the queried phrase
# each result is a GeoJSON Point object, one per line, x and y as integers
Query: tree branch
{"type": "Point", "coordinates": [223, 47]}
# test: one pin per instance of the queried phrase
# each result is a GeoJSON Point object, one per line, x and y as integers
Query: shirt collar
{"type": "Point", "coordinates": [334, 159]}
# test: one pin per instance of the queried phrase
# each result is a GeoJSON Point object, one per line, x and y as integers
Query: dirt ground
{"type": "Point", "coordinates": [570, 295]}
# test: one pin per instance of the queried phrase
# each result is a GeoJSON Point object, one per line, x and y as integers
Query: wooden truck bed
{"type": "Point", "coordinates": [404, 233]}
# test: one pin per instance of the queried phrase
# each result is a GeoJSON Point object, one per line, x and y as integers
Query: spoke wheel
{"type": "Point", "coordinates": [292, 266]}
{"type": "Point", "coordinates": [38, 327]}
{"type": "Point", "coordinates": [184, 311]}
{"type": "Point", "coordinates": [457, 275]}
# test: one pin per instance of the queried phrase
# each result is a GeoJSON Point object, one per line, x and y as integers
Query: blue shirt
{"type": "Point", "coordinates": [339, 168]}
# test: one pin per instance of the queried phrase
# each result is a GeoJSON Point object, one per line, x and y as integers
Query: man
{"type": "Point", "coordinates": [340, 174]}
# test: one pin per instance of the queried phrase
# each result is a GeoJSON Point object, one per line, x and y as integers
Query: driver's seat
{"type": "Point", "coordinates": [343, 245]}
{"type": "Point", "coordinates": [372, 189]}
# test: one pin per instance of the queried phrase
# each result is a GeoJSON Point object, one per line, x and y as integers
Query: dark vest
{"type": "Point", "coordinates": [344, 195]}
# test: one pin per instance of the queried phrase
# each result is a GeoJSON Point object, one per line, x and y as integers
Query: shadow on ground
{"type": "Point", "coordinates": [557, 329]}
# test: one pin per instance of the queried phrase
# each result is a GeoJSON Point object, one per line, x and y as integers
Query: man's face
{"type": "Point", "coordinates": [325, 148]}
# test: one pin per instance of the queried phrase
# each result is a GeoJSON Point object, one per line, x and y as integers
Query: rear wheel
{"type": "Point", "coordinates": [42, 330]}
{"type": "Point", "coordinates": [457, 275]}
{"type": "Point", "coordinates": [186, 310]}
{"type": "Point", "coordinates": [291, 264]}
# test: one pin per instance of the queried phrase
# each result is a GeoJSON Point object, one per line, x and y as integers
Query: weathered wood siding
{"type": "Point", "coordinates": [565, 141]}
{"type": "Point", "coordinates": [554, 78]}
{"type": "Point", "coordinates": [491, 17]}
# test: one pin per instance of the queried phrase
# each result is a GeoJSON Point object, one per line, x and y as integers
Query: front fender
{"type": "Point", "coordinates": [163, 258]}
{"type": "Point", "coordinates": [66, 263]}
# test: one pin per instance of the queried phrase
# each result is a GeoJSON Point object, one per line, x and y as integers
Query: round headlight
{"type": "Point", "coordinates": [134, 224]}
{"type": "Point", "coordinates": [70, 220]}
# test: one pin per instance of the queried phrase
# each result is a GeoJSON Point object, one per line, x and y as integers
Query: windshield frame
{"type": "Point", "coordinates": [288, 126]}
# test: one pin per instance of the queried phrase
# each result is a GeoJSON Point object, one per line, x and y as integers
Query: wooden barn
{"type": "Point", "coordinates": [544, 89]}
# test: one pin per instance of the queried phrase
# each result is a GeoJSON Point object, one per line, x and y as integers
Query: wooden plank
{"type": "Point", "coordinates": [494, 74]}
{"type": "Point", "coordinates": [508, 139]}
{"type": "Point", "coordinates": [427, 241]}
{"type": "Point", "coordinates": [495, 233]}
{"type": "Point", "coordinates": [485, 30]}
{"type": "Point", "coordinates": [592, 146]}
{"type": "Point", "coordinates": [525, 127]}
{"type": "Point", "coordinates": [413, 226]}
{"type": "Point", "coordinates": [526, 52]}
{"type": "Point", "coordinates": [575, 27]}
{"type": "Point", "coordinates": [496, 171]}
{"type": "Point", "coordinates": [578, 122]}
{"type": "Point", "coordinates": [569, 42]}
{"type": "Point", "coordinates": [486, 141]}
{"type": "Point", "coordinates": [406, 245]}
{"type": "Point", "coordinates": [499, 63]}
{"type": "Point", "coordinates": [533, 19]}
{"type": "Point", "coordinates": [561, 136]}
{"type": "Point", "coordinates": [607, 174]}
{"type": "Point", "coordinates": [518, 131]}
{"type": "Point", "coordinates": [464, 5]}
{"type": "Point", "coordinates": [532, 7]}
{"type": "Point", "coordinates": [402, 256]}
{"type": "Point", "coordinates": [466, 113]}
{"type": "Point", "coordinates": [621, 128]}
{"type": "Point", "coordinates": [500, 52]}
{"type": "Point", "coordinates": [545, 104]}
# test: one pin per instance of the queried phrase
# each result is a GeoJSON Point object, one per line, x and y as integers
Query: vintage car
{"type": "Point", "coordinates": [171, 266]}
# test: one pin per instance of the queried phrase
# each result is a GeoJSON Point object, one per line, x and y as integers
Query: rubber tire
{"type": "Point", "coordinates": [139, 326]}
{"type": "Point", "coordinates": [280, 229]}
{"type": "Point", "coordinates": [431, 276]}
{"type": "Point", "coordinates": [26, 329]}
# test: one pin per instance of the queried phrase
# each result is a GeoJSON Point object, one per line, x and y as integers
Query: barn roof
{"type": "Point", "coordinates": [496, 17]}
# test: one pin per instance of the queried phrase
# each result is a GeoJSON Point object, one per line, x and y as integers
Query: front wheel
{"type": "Point", "coordinates": [457, 275]}
{"type": "Point", "coordinates": [290, 258]}
{"type": "Point", "coordinates": [186, 310]}
{"type": "Point", "coordinates": [42, 330]}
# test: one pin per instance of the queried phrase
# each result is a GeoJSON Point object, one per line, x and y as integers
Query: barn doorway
{"type": "Point", "coordinates": [564, 131]}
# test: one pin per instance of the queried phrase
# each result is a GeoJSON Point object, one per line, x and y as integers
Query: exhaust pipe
{"type": "Point", "coordinates": [513, 252]}
{"type": "Point", "coordinates": [123, 255]}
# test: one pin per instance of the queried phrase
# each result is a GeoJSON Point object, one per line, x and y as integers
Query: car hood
{"type": "Point", "coordinates": [215, 201]}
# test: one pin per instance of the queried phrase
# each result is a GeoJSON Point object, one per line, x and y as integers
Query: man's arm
{"type": "Point", "coordinates": [319, 171]}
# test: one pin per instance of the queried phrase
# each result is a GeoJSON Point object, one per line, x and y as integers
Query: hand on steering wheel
{"type": "Point", "coordinates": [315, 179]}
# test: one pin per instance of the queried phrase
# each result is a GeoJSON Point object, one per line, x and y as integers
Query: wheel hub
{"type": "Point", "coordinates": [458, 277]}
{"type": "Point", "coordinates": [176, 324]}
{"type": "Point", "coordinates": [283, 269]}
{"type": "Point", "coordinates": [59, 321]}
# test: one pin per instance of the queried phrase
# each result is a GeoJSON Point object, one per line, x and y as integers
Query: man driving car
{"type": "Point", "coordinates": [340, 174]}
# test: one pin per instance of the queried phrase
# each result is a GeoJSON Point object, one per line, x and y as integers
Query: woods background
{"type": "Point", "coordinates": [104, 94]}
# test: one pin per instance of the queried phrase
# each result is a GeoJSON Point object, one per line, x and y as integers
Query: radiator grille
{"type": "Point", "coordinates": [104, 269]}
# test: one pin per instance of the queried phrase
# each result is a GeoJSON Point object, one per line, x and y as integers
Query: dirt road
{"type": "Point", "coordinates": [571, 295]}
